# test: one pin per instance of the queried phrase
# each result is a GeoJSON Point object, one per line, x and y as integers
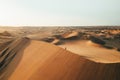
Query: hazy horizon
{"type": "Point", "coordinates": [59, 12]}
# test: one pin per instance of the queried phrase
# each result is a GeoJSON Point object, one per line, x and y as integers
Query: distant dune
{"type": "Point", "coordinates": [27, 59]}
{"type": "Point", "coordinates": [70, 35]}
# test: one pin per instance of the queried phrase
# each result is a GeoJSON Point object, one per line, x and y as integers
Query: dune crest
{"type": "Point", "coordinates": [70, 34]}
{"type": "Point", "coordinates": [43, 61]}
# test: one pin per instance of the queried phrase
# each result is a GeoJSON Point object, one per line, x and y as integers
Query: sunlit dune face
{"type": "Point", "coordinates": [90, 43]}
{"type": "Point", "coordinates": [92, 51]}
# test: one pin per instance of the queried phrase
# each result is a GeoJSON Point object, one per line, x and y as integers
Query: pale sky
{"type": "Point", "coordinates": [59, 12]}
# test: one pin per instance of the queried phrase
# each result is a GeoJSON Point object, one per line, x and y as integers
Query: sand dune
{"type": "Point", "coordinates": [37, 60]}
{"type": "Point", "coordinates": [55, 41]}
{"type": "Point", "coordinates": [90, 43]}
{"type": "Point", "coordinates": [92, 51]}
{"type": "Point", "coordinates": [4, 44]}
{"type": "Point", "coordinates": [5, 33]}
{"type": "Point", "coordinates": [70, 34]}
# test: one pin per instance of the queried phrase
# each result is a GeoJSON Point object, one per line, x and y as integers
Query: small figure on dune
{"type": "Point", "coordinates": [65, 48]}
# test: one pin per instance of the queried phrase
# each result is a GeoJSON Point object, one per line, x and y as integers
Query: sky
{"type": "Point", "coordinates": [59, 12]}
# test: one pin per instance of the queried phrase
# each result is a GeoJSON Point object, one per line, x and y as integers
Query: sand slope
{"type": "Point", "coordinates": [92, 51]}
{"type": "Point", "coordinates": [70, 34]}
{"type": "Point", "coordinates": [38, 60]}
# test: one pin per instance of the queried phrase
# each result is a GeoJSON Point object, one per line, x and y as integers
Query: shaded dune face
{"type": "Point", "coordinates": [97, 40]}
{"type": "Point", "coordinates": [8, 54]}
{"type": "Point", "coordinates": [43, 61]}
{"type": "Point", "coordinates": [4, 45]}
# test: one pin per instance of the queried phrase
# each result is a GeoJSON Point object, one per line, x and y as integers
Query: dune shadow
{"type": "Point", "coordinates": [13, 60]}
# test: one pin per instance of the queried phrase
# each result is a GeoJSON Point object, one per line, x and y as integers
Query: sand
{"type": "Point", "coordinates": [70, 34]}
{"type": "Point", "coordinates": [92, 51]}
{"type": "Point", "coordinates": [55, 41]}
{"type": "Point", "coordinates": [37, 60]}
